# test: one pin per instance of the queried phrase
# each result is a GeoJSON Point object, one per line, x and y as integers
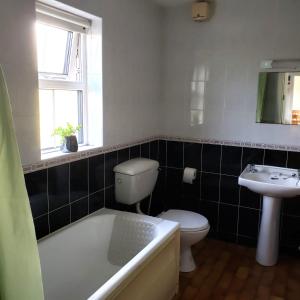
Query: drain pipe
{"type": "Point", "coordinates": [138, 207]}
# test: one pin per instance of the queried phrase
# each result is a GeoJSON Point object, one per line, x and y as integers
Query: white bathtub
{"type": "Point", "coordinates": [97, 256]}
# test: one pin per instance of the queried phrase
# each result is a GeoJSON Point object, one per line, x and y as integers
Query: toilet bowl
{"type": "Point", "coordinates": [193, 228]}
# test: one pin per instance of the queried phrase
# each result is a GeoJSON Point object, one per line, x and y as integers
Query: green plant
{"type": "Point", "coordinates": [66, 131]}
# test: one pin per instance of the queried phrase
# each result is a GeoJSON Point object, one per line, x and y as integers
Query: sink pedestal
{"type": "Point", "coordinates": [268, 239]}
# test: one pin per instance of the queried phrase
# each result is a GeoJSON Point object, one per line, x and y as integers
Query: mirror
{"type": "Point", "coordinates": [278, 99]}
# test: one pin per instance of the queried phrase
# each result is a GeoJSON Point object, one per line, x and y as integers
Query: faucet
{"type": "Point", "coordinates": [252, 168]}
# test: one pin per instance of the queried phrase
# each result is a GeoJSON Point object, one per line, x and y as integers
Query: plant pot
{"type": "Point", "coordinates": [70, 144]}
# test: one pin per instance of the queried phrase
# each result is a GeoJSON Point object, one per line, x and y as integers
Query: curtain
{"type": "Point", "coordinates": [20, 272]}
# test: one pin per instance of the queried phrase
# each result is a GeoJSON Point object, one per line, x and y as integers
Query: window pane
{"type": "Point", "coordinates": [46, 118]}
{"type": "Point", "coordinates": [57, 108]}
{"type": "Point", "coordinates": [52, 46]}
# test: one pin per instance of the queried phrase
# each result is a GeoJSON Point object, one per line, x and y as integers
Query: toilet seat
{"type": "Point", "coordinates": [189, 221]}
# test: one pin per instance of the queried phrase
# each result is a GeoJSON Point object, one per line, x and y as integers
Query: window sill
{"type": "Point", "coordinates": [56, 154]}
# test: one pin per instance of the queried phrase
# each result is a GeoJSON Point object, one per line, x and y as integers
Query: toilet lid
{"type": "Point", "coordinates": [189, 221]}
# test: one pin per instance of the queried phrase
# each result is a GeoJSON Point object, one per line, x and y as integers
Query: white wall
{"type": "Point", "coordinates": [229, 48]}
{"type": "Point", "coordinates": [131, 68]}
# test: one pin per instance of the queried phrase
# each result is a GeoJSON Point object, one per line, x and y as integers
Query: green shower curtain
{"type": "Point", "coordinates": [20, 272]}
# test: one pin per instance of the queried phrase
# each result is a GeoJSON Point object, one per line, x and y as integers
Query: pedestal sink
{"type": "Point", "coordinates": [273, 183]}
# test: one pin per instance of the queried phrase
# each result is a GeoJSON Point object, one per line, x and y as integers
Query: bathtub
{"type": "Point", "coordinates": [111, 255]}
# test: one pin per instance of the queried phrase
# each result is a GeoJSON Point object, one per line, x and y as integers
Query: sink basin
{"type": "Point", "coordinates": [271, 181]}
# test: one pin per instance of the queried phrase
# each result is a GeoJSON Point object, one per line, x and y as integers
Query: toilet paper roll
{"type": "Point", "coordinates": [189, 175]}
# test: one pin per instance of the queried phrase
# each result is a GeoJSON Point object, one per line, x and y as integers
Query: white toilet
{"type": "Point", "coordinates": [135, 180]}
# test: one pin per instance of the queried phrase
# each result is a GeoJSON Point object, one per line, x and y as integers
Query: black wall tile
{"type": "Point", "coordinates": [41, 225]}
{"type": "Point", "coordinates": [228, 216]}
{"type": "Point", "coordinates": [192, 155]}
{"type": "Point", "coordinates": [123, 155]}
{"type": "Point", "coordinates": [252, 156]}
{"type": "Point", "coordinates": [231, 160]}
{"type": "Point", "coordinates": [249, 198]}
{"type": "Point", "coordinates": [190, 197]}
{"type": "Point", "coordinates": [162, 153]}
{"type": "Point", "coordinates": [247, 241]}
{"type": "Point", "coordinates": [202, 197]}
{"type": "Point", "coordinates": [193, 190]}
{"type": "Point", "coordinates": [158, 197]}
{"type": "Point", "coordinates": [248, 222]}
{"type": "Point", "coordinates": [154, 151]}
{"type": "Point", "coordinates": [210, 187]}
{"type": "Point", "coordinates": [175, 154]}
{"type": "Point", "coordinates": [291, 206]}
{"type": "Point", "coordinates": [79, 209]}
{"type": "Point", "coordinates": [211, 157]}
{"type": "Point", "coordinates": [96, 173]}
{"type": "Point", "coordinates": [78, 179]}
{"type": "Point", "coordinates": [145, 150]}
{"type": "Point", "coordinates": [290, 233]}
{"type": "Point", "coordinates": [135, 151]}
{"type": "Point", "coordinates": [229, 189]}
{"type": "Point", "coordinates": [59, 218]}
{"type": "Point", "coordinates": [227, 237]}
{"type": "Point", "coordinates": [58, 186]}
{"type": "Point", "coordinates": [110, 201]}
{"type": "Point", "coordinates": [293, 160]}
{"type": "Point", "coordinates": [275, 158]}
{"type": "Point", "coordinates": [210, 211]}
{"type": "Point", "coordinates": [173, 188]}
{"type": "Point", "coordinates": [36, 184]}
{"type": "Point", "coordinates": [111, 160]}
{"type": "Point", "coordinates": [96, 201]}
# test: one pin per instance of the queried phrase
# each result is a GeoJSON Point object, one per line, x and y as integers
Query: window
{"type": "Point", "coordinates": [62, 70]}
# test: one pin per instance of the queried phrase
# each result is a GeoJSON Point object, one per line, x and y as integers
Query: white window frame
{"type": "Point", "coordinates": [67, 21]}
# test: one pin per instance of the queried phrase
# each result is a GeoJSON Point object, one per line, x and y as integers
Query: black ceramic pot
{"type": "Point", "coordinates": [70, 144]}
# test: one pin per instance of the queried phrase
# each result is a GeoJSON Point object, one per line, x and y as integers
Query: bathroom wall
{"type": "Point", "coordinates": [63, 194]}
{"type": "Point", "coordinates": [233, 212]}
{"type": "Point", "coordinates": [131, 69]}
{"type": "Point", "coordinates": [224, 55]}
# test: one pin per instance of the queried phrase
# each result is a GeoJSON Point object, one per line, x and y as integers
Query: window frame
{"type": "Point", "coordinates": [51, 81]}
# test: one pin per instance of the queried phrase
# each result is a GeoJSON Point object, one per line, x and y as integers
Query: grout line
{"type": "Point", "coordinates": [88, 184]}
{"type": "Point", "coordinates": [166, 153]}
{"type": "Point", "coordinates": [48, 200]}
{"type": "Point", "coordinates": [183, 163]}
{"type": "Point", "coordinates": [104, 179]}
{"type": "Point", "coordinates": [218, 222]}
{"type": "Point", "coordinates": [63, 206]}
{"type": "Point", "coordinates": [70, 216]}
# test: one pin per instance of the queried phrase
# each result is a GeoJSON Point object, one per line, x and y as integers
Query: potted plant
{"type": "Point", "coordinates": [68, 138]}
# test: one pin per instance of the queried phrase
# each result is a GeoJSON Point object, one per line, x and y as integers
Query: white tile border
{"type": "Point", "coordinates": [67, 158]}
{"type": "Point", "coordinates": [70, 157]}
{"type": "Point", "coordinates": [233, 143]}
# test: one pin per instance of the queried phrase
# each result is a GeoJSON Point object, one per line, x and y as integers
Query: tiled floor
{"type": "Point", "coordinates": [229, 271]}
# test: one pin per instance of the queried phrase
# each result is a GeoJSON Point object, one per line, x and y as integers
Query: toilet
{"type": "Point", "coordinates": [135, 180]}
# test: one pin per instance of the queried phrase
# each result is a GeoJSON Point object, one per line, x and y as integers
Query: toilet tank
{"type": "Point", "coordinates": [135, 179]}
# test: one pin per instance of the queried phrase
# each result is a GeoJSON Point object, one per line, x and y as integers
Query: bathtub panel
{"type": "Point", "coordinates": [157, 278]}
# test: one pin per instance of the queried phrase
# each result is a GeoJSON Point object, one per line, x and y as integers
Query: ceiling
{"type": "Point", "coordinates": [172, 2]}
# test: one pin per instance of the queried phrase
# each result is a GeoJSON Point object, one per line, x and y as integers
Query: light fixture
{"type": "Point", "coordinates": [286, 64]}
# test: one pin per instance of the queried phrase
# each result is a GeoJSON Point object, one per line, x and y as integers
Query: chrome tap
{"type": "Point", "coordinates": [252, 168]}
